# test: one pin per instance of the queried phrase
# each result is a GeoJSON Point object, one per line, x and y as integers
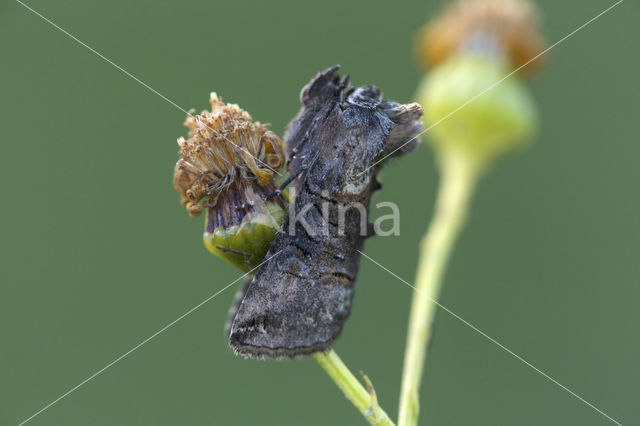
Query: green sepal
{"type": "Point", "coordinates": [245, 245]}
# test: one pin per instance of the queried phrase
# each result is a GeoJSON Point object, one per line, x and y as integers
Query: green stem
{"type": "Point", "coordinates": [365, 401]}
{"type": "Point", "coordinates": [458, 177]}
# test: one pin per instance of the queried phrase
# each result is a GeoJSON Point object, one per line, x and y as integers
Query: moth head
{"type": "Point", "coordinates": [384, 129]}
{"type": "Point", "coordinates": [401, 122]}
{"type": "Point", "coordinates": [407, 124]}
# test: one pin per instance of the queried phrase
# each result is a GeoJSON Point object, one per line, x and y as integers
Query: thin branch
{"type": "Point", "coordinates": [458, 177]}
{"type": "Point", "coordinates": [365, 401]}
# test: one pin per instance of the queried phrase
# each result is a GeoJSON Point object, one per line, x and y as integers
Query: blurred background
{"type": "Point", "coordinates": [97, 254]}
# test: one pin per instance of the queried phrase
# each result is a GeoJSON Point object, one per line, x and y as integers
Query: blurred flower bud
{"type": "Point", "coordinates": [473, 108]}
{"type": "Point", "coordinates": [498, 121]}
{"type": "Point", "coordinates": [227, 168]}
{"type": "Point", "coordinates": [513, 24]}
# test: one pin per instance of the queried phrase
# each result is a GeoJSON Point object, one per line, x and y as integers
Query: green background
{"type": "Point", "coordinates": [96, 253]}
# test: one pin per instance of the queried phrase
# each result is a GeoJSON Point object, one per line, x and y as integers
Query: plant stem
{"type": "Point", "coordinates": [363, 400]}
{"type": "Point", "coordinates": [458, 177]}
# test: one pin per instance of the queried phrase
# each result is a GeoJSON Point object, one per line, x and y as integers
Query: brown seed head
{"type": "Point", "coordinates": [514, 24]}
{"type": "Point", "coordinates": [223, 145]}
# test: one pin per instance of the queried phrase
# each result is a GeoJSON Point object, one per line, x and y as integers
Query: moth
{"type": "Point", "coordinates": [299, 299]}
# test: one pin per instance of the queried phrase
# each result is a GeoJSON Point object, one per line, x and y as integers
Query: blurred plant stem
{"type": "Point", "coordinates": [459, 173]}
{"type": "Point", "coordinates": [364, 400]}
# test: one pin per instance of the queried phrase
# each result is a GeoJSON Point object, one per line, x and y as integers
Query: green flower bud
{"type": "Point", "coordinates": [241, 232]}
{"type": "Point", "coordinates": [473, 109]}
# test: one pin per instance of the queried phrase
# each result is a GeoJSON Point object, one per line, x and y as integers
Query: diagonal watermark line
{"type": "Point", "coordinates": [500, 345]}
{"type": "Point", "coordinates": [251, 155]}
{"type": "Point", "coordinates": [189, 312]}
{"type": "Point", "coordinates": [128, 74]}
{"type": "Point", "coordinates": [495, 84]}
{"type": "Point", "coordinates": [229, 285]}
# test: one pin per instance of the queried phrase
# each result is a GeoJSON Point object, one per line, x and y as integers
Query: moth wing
{"type": "Point", "coordinates": [237, 300]}
{"type": "Point", "coordinates": [292, 308]}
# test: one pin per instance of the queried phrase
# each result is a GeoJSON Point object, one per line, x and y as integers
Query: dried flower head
{"type": "Point", "coordinates": [512, 24]}
{"type": "Point", "coordinates": [227, 166]}
{"type": "Point", "coordinates": [224, 146]}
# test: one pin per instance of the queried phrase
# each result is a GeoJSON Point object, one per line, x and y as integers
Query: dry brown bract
{"type": "Point", "coordinates": [513, 23]}
{"type": "Point", "coordinates": [223, 145]}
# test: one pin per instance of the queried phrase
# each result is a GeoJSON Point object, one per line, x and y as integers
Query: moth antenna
{"type": "Point", "coordinates": [343, 86]}
{"type": "Point", "coordinates": [345, 81]}
{"type": "Point", "coordinates": [306, 164]}
{"type": "Point", "coordinates": [286, 182]}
